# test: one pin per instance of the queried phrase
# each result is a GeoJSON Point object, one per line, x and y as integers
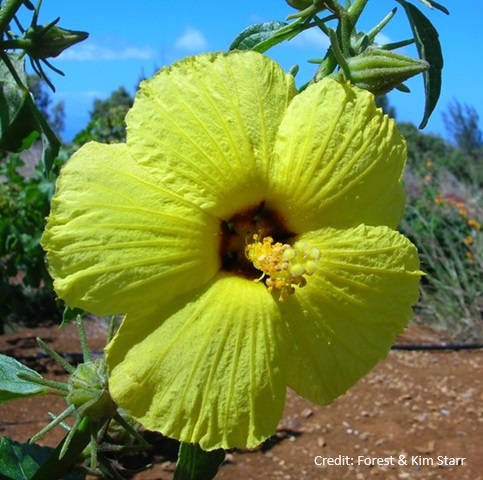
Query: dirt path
{"type": "Point", "coordinates": [424, 409]}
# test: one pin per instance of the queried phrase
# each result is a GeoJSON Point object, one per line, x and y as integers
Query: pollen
{"type": "Point", "coordinates": [283, 266]}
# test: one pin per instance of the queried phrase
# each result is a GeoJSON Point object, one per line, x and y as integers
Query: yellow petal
{"type": "Point", "coordinates": [338, 161]}
{"type": "Point", "coordinates": [345, 319]}
{"type": "Point", "coordinates": [206, 126]}
{"type": "Point", "coordinates": [117, 240]}
{"type": "Point", "coordinates": [204, 369]}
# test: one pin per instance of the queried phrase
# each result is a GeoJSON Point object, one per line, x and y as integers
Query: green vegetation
{"type": "Point", "coordinates": [444, 218]}
{"type": "Point", "coordinates": [26, 293]}
{"type": "Point", "coordinates": [461, 121]}
{"type": "Point", "coordinates": [106, 124]}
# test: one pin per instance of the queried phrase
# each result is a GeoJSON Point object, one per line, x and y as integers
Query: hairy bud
{"type": "Point", "coordinates": [88, 390]}
{"type": "Point", "coordinates": [50, 40]}
{"type": "Point", "coordinates": [379, 71]}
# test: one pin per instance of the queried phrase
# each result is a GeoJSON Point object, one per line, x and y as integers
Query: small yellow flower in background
{"type": "Point", "coordinates": [248, 234]}
{"type": "Point", "coordinates": [474, 224]}
{"type": "Point", "coordinates": [469, 240]}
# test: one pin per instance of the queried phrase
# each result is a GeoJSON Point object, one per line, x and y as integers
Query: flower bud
{"type": "Point", "coordinates": [50, 41]}
{"type": "Point", "coordinates": [379, 71]}
{"type": "Point", "coordinates": [88, 391]}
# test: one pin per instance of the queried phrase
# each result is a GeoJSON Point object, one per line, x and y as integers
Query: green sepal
{"type": "Point", "coordinates": [262, 36]}
{"type": "Point", "coordinates": [11, 386]}
{"type": "Point", "coordinates": [197, 464]}
{"type": "Point", "coordinates": [20, 461]}
{"type": "Point", "coordinates": [429, 49]}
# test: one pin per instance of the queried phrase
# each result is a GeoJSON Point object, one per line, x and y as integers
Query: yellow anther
{"type": "Point", "coordinates": [283, 265]}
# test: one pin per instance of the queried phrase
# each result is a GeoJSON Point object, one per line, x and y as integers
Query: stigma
{"type": "Point", "coordinates": [283, 266]}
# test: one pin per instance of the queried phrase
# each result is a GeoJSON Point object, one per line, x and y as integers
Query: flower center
{"type": "Point", "coordinates": [284, 265]}
{"type": "Point", "coordinates": [248, 249]}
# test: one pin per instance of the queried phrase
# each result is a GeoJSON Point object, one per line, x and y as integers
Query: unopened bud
{"type": "Point", "coordinates": [88, 391]}
{"type": "Point", "coordinates": [50, 40]}
{"type": "Point", "coordinates": [379, 71]}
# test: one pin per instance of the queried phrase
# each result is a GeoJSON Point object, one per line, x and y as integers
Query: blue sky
{"type": "Point", "coordinates": [128, 41]}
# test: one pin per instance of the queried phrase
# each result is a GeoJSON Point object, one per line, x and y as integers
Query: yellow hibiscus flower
{"type": "Point", "coordinates": [247, 232]}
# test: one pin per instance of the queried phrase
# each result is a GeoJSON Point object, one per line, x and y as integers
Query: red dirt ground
{"type": "Point", "coordinates": [419, 407]}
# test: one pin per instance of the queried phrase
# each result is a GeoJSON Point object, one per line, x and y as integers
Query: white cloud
{"type": "Point", "coordinates": [191, 40]}
{"type": "Point", "coordinates": [92, 51]}
{"type": "Point", "coordinates": [311, 38]}
{"type": "Point", "coordinates": [382, 39]}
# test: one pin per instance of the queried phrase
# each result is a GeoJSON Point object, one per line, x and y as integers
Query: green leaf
{"type": "Point", "coordinates": [17, 460]}
{"type": "Point", "coordinates": [262, 36]}
{"type": "Point", "coordinates": [197, 464]}
{"type": "Point", "coordinates": [433, 4]}
{"type": "Point", "coordinates": [50, 142]}
{"type": "Point", "coordinates": [429, 48]}
{"type": "Point", "coordinates": [18, 129]}
{"type": "Point", "coordinates": [20, 461]}
{"type": "Point", "coordinates": [11, 386]}
{"type": "Point", "coordinates": [20, 120]}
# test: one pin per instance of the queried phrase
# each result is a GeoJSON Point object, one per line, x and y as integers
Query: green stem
{"type": "Point", "coordinates": [374, 31]}
{"type": "Point", "coordinates": [86, 352]}
{"type": "Point", "coordinates": [60, 360]}
{"type": "Point", "coordinates": [327, 66]}
{"type": "Point", "coordinates": [355, 10]}
{"type": "Point", "coordinates": [57, 466]}
{"type": "Point", "coordinates": [60, 388]}
{"type": "Point", "coordinates": [112, 328]}
{"type": "Point", "coordinates": [68, 411]}
{"type": "Point", "coordinates": [7, 12]}
{"type": "Point", "coordinates": [130, 429]}
{"type": "Point", "coordinates": [335, 7]}
{"type": "Point", "coordinates": [321, 23]}
{"type": "Point", "coordinates": [395, 45]}
{"type": "Point", "coordinates": [339, 54]}
{"type": "Point", "coordinates": [17, 44]}
{"type": "Point", "coordinates": [344, 33]}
